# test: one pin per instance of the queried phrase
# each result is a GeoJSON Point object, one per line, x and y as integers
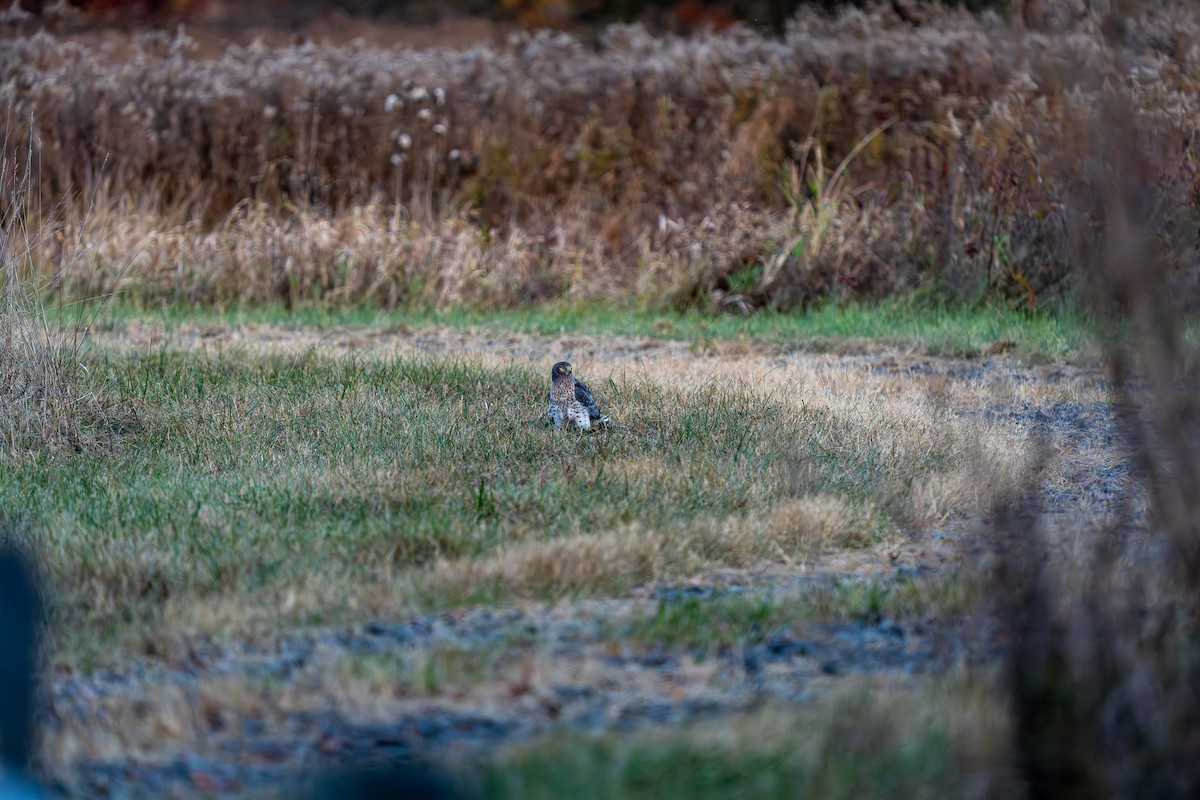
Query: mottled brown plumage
{"type": "Point", "coordinates": [571, 402]}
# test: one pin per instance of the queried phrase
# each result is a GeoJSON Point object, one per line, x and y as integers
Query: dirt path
{"type": "Point", "coordinates": [511, 674]}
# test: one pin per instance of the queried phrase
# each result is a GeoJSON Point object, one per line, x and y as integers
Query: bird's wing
{"type": "Point", "coordinates": [584, 395]}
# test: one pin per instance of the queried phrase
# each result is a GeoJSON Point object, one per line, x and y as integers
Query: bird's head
{"type": "Point", "coordinates": [560, 370]}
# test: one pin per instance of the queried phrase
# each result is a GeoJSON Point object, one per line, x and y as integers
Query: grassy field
{"type": "Point", "coordinates": [881, 512]}
{"type": "Point", "coordinates": [206, 484]}
{"type": "Point", "coordinates": [349, 481]}
{"type": "Point", "coordinates": [231, 484]}
{"type": "Point", "coordinates": [269, 475]}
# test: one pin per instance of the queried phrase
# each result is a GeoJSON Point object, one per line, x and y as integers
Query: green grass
{"type": "Point", "coordinates": [434, 672]}
{"type": "Point", "coordinates": [1057, 335]}
{"type": "Point", "coordinates": [599, 770]}
{"type": "Point", "coordinates": [337, 480]}
{"type": "Point", "coordinates": [713, 624]}
{"type": "Point", "coordinates": [848, 746]}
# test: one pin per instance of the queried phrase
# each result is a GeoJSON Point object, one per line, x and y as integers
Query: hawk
{"type": "Point", "coordinates": [571, 401]}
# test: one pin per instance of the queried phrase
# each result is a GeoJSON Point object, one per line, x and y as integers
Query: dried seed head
{"type": "Point", "coordinates": [425, 114]}
{"type": "Point", "coordinates": [404, 141]}
{"type": "Point", "coordinates": [392, 102]}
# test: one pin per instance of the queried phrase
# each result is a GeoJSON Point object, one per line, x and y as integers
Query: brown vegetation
{"type": "Point", "coordinates": [856, 157]}
{"type": "Point", "coordinates": [1103, 658]}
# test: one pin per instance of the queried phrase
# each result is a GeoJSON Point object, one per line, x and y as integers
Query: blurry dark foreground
{"type": "Point", "coordinates": [20, 623]}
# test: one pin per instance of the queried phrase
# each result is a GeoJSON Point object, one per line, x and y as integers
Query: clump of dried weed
{"type": "Point", "coordinates": [47, 397]}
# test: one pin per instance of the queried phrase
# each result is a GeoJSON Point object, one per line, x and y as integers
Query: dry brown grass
{"type": "Point", "coordinates": [634, 556]}
{"type": "Point", "coordinates": [880, 709]}
{"type": "Point", "coordinates": [47, 398]}
{"type": "Point", "coordinates": [857, 156]}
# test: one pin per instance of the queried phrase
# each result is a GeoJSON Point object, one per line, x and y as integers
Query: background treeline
{"type": "Point", "coordinates": [858, 155]}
